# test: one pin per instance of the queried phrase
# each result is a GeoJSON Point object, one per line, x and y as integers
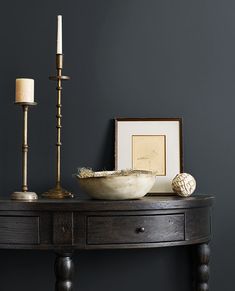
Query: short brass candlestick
{"type": "Point", "coordinates": [25, 194]}
{"type": "Point", "coordinates": [58, 192]}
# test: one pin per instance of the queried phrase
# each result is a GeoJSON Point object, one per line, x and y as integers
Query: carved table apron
{"type": "Point", "coordinates": [68, 225]}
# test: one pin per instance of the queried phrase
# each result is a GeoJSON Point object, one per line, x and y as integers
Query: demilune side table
{"type": "Point", "coordinates": [68, 225]}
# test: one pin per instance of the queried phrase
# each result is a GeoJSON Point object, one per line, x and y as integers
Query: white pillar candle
{"type": "Point", "coordinates": [24, 90]}
{"type": "Point", "coordinates": [59, 34]}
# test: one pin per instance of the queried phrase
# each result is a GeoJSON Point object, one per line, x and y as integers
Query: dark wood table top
{"type": "Point", "coordinates": [85, 224]}
{"type": "Point", "coordinates": [156, 202]}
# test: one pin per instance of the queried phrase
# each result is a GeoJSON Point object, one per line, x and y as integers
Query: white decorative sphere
{"type": "Point", "coordinates": [184, 184]}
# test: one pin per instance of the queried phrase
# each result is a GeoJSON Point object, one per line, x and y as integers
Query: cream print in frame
{"type": "Point", "coordinates": [150, 144]}
{"type": "Point", "coordinates": [149, 153]}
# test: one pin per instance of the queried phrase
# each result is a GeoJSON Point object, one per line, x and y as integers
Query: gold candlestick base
{"type": "Point", "coordinates": [57, 193]}
{"type": "Point", "coordinates": [29, 196]}
{"type": "Point", "coordinates": [25, 194]}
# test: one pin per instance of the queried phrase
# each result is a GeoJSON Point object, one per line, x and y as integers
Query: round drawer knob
{"type": "Point", "coordinates": [140, 229]}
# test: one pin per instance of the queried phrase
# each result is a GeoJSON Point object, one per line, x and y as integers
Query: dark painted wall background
{"type": "Point", "coordinates": [128, 58]}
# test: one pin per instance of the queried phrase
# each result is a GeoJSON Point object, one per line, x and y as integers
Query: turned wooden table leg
{"type": "Point", "coordinates": [202, 268]}
{"type": "Point", "coordinates": [64, 272]}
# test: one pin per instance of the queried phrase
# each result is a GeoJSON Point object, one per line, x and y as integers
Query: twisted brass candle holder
{"type": "Point", "coordinates": [25, 194]}
{"type": "Point", "coordinates": [58, 192]}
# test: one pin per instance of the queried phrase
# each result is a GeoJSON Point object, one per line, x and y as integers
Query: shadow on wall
{"type": "Point", "coordinates": [105, 160]}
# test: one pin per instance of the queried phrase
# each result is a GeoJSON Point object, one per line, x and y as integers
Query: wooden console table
{"type": "Point", "coordinates": [68, 225]}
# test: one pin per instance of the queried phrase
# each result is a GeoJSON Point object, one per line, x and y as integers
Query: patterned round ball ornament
{"type": "Point", "coordinates": [184, 184]}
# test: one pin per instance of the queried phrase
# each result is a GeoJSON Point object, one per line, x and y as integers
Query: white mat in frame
{"type": "Point", "coordinates": [150, 143]}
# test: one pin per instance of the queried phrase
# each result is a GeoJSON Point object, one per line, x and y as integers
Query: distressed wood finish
{"type": "Point", "coordinates": [67, 225]}
{"type": "Point", "coordinates": [63, 228]}
{"type": "Point", "coordinates": [146, 203]}
{"type": "Point", "coordinates": [135, 229]}
{"type": "Point", "coordinates": [19, 230]}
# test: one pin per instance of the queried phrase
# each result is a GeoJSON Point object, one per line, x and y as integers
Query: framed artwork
{"type": "Point", "coordinates": [153, 144]}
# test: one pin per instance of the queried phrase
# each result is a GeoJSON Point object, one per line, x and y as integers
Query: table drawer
{"type": "Point", "coordinates": [19, 230]}
{"type": "Point", "coordinates": [134, 229]}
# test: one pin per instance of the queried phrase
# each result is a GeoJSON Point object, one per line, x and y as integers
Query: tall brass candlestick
{"type": "Point", "coordinates": [58, 192]}
{"type": "Point", "coordinates": [24, 194]}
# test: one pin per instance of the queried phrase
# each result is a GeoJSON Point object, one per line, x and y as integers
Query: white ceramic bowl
{"type": "Point", "coordinates": [110, 185]}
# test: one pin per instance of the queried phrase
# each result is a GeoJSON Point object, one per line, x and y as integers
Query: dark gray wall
{"type": "Point", "coordinates": [128, 58]}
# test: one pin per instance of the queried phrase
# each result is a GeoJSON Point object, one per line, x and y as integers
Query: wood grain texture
{"type": "Point", "coordinates": [19, 230]}
{"type": "Point", "coordinates": [198, 223]}
{"type": "Point", "coordinates": [135, 229]}
{"type": "Point", "coordinates": [67, 225]}
{"type": "Point", "coordinates": [167, 221]}
{"type": "Point", "coordinates": [63, 228]}
{"type": "Point", "coordinates": [146, 203]}
{"type": "Point", "coordinates": [79, 230]}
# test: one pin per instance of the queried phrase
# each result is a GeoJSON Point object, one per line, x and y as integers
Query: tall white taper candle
{"type": "Point", "coordinates": [59, 34]}
{"type": "Point", "coordinates": [24, 90]}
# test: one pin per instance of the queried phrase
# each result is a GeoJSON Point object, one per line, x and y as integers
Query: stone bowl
{"type": "Point", "coordinates": [112, 185]}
